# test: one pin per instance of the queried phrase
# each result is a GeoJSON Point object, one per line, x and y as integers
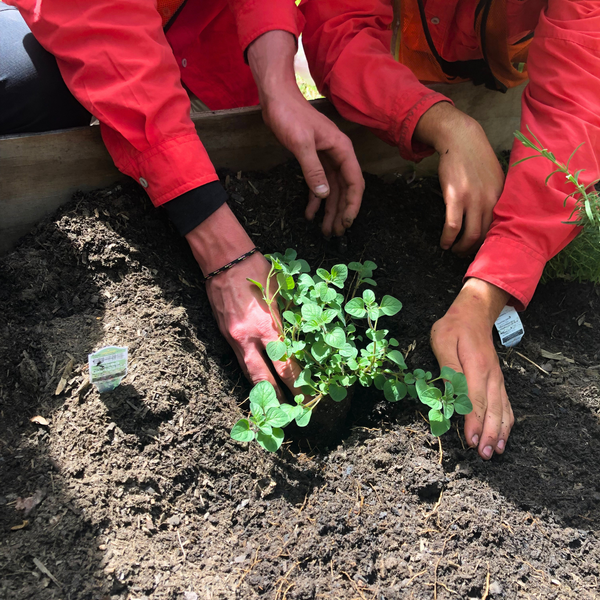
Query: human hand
{"type": "Point", "coordinates": [470, 174]}
{"type": "Point", "coordinates": [242, 316]}
{"type": "Point", "coordinates": [462, 340]}
{"type": "Point", "coordinates": [325, 154]}
{"type": "Point", "coordinates": [246, 323]}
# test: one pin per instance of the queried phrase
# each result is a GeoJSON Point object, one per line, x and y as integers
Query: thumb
{"type": "Point", "coordinates": [313, 172]}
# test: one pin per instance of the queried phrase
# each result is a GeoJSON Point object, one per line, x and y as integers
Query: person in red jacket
{"type": "Point", "coordinates": [351, 48]}
{"type": "Point", "coordinates": [127, 64]}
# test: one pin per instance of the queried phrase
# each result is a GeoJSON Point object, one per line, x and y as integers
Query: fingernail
{"type": "Point", "coordinates": [501, 444]}
{"type": "Point", "coordinates": [487, 452]}
{"type": "Point", "coordinates": [321, 189]}
{"type": "Point", "coordinates": [475, 440]}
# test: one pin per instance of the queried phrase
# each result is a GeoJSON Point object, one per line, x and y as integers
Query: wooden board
{"type": "Point", "coordinates": [39, 172]}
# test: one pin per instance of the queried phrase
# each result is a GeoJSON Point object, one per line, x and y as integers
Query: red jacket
{"type": "Point", "coordinates": [348, 47]}
{"type": "Point", "coordinates": [118, 62]}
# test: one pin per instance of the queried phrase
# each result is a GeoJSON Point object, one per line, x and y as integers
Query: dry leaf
{"type": "Point", "coordinates": [556, 356]}
{"type": "Point", "coordinates": [64, 377]}
{"type": "Point", "coordinates": [21, 526]}
{"type": "Point", "coordinates": [28, 504]}
{"type": "Point", "coordinates": [40, 421]}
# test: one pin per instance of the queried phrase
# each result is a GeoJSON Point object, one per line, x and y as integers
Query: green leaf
{"type": "Point", "coordinates": [356, 308]}
{"type": "Point", "coordinates": [428, 395]}
{"type": "Point", "coordinates": [299, 398]}
{"type": "Point", "coordinates": [323, 274]}
{"type": "Point", "coordinates": [459, 383]}
{"type": "Point", "coordinates": [439, 427]}
{"type": "Point", "coordinates": [394, 390]}
{"type": "Point", "coordinates": [266, 428]}
{"type": "Point", "coordinates": [277, 417]}
{"type": "Point", "coordinates": [447, 373]}
{"type": "Point", "coordinates": [337, 392]}
{"type": "Point", "coordinates": [448, 409]}
{"type": "Point", "coordinates": [256, 283]}
{"type": "Point", "coordinates": [311, 311]}
{"type": "Point", "coordinates": [336, 338]}
{"type": "Point", "coordinates": [241, 431]}
{"type": "Point", "coordinates": [369, 265]}
{"type": "Point", "coordinates": [290, 254]}
{"type": "Point", "coordinates": [369, 281]}
{"type": "Point", "coordinates": [286, 281]}
{"type": "Point", "coordinates": [303, 419]}
{"type": "Point", "coordinates": [435, 415]}
{"type": "Point", "coordinates": [394, 342]}
{"type": "Point", "coordinates": [448, 389]}
{"type": "Point", "coordinates": [409, 379]}
{"type": "Point", "coordinates": [368, 296]}
{"type": "Point", "coordinates": [272, 442]}
{"type": "Point", "coordinates": [305, 378]}
{"type": "Point", "coordinates": [390, 306]}
{"type": "Point", "coordinates": [291, 411]}
{"type": "Point", "coordinates": [263, 394]}
{"type": "Point", "coordinates": [290, 317]}
{"type": "Point", "coordinates": [396, 357]}
{"type": "Point", "coordinates": [348, 350]}
{"type": "Point", "coordinates": [462, 405]}
{"type": "Point", "coordinates": [419, 374]}
{"type": "Point", "coordinates": [328, 295]}
{"type": "Point", "coordinates": [339, 274]}
{"type": "Point", "coordinates": [275, 350]}
{"type": "Point", "coordinates": [379, 381]}
{"type": "Point", "coordinates": [373, 312]}
{"type": "Point", "coordinates": [320, 350]}
{"type": "Point", "coordinates": [305, 281]}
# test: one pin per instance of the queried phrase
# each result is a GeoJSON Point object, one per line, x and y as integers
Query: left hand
{"type": "Point", "coordinates": [326, 155]}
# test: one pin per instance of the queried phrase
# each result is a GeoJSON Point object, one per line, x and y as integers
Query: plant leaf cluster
{"type": "Point", "coordinates": [338, 340]}
{"type": "Point", "coordinates": [580, 260]}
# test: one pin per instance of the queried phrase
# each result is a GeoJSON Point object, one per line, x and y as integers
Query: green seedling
{"type": "Point", "coordinates": [580, 260]}
{"type": "Point", "coordinates": [338, 340]}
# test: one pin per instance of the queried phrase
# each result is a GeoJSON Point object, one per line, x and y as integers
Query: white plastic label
{"type": "Point", "coordinates": [107, 367]}
{"type": "Point", "coordinates": [509, 327]}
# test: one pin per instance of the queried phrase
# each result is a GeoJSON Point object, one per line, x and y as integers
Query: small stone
{"type": "Point", "coordinates": [190, 596]}
{"type": "Point", "coordinates": [495, 588]}
{"type": "Point", "coordinates": [174, 520]}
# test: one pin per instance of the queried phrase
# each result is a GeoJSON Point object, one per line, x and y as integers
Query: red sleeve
{"type": "Point", "coordinates": [255, 17]}
{"type": "Point", "coordinates": [561, 105]}
{"type": "Point", "coordinates": [116, 61]}
{"type": "Point", "coordinates": [348, 50]}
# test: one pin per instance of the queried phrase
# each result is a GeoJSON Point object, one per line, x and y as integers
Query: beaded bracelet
{"type": "Point", "coordinates": [231, 264]}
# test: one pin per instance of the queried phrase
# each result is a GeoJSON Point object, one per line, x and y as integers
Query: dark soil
{"type": "Point", "coordinates": [146, 496]}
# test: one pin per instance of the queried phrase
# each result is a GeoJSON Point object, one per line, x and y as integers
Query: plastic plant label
{"type": "Point", "coordinates": [509, 327]}
{"type": "Point", "coordinates": [107, 367]}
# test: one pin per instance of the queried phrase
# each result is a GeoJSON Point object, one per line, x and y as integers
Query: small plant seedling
{"type": "Point", "coordinates": [580, 260]}
{"type": "Point", "coordinates": [338, 340]}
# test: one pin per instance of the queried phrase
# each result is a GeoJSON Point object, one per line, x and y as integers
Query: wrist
{"type": "Point", "coordinates": [218, 240]}
{"type": "Point", "coordinates": [271, 60]}
{"type": "Point", "coordinates": [437, 127]}
{"type": "Point", "coordinates": [481, 300]}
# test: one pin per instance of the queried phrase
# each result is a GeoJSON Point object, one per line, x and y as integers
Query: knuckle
{"type": "Point", "coordinates": [452, 226]}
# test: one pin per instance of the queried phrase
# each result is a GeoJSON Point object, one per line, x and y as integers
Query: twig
{"type": "Point", "coordinates": [181, 545]}
{"type": "Point", "coordinates": [487, 583]}
{"type": "Point", "coordinates": [441, 451]}
{"type": "Point", "coordinates": [534, 364]}
{"type": "Point", "coordinates": [45, 571]}
{"type": "Point", "coordinates": [354, 585]}
{"type": "Point", "coordinates": [249, 569]}
{"type": "Point", "coordinates": [459, 436]}
{"type": "Point", "coordinates": [435, 507]}
{"type": "Point", "coordinates": [414, 577]}
{"type": "Point", "coordinates": [284, 580]}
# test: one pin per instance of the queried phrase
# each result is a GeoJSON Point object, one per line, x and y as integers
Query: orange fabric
{"type": "Point", "coordinates": [411, 48]}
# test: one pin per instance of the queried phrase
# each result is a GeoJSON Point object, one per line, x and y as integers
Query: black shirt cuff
{"type": "Point", "coordinates": [190, 209]}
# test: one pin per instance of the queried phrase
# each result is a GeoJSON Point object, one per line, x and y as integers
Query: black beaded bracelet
{"type": "Point", "coordinates": [232, 263]}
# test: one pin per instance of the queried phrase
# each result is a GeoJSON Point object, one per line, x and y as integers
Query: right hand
{"type": "Point", "coordinates": [246, 323]}
{"type": "Point", "coordinates": [242, 315]}
{"type": "Point", "coordinates": [470, 174]}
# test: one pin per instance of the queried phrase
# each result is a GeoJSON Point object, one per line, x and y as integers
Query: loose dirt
{"type": "Point", "coordinates": [145, 496]}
